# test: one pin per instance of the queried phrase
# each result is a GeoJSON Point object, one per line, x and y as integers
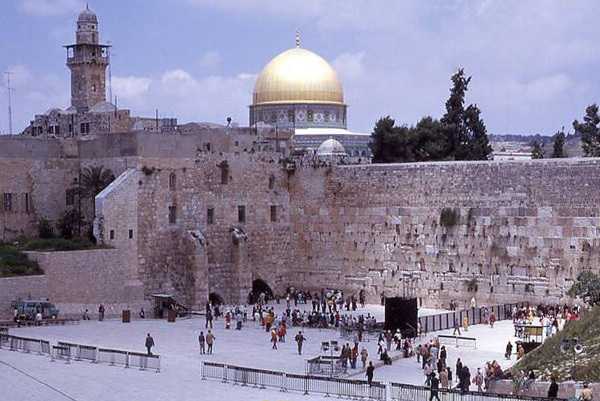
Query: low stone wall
{"type": "Point", "coordinates": [12, 288]}
{"type": "Point", "coordinates": [79, 280]}
{"type": "Point", "coordinates": [566, 389]}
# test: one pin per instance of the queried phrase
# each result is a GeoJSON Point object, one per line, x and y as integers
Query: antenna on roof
{"type": "Point", "coordinates": [9, 89]}
{"type": "Point", "coordinates": [297, 38]}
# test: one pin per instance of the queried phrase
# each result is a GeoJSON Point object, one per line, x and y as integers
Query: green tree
{"type": "Point", "coordinates": [537, 152]}
{"type": "Point", "coordinates": [587, 287]}
{"type": "Point", "coordinates": [68, 222]}
{"type": "Point", "coordinates": [559, 143]}
{"type": "Point", "coordinates": [589, 130]}
{"type": "Point", "coordinates": [427, 140]}
{"type": "Point", "coordinates": [478, 144]}
{"type": "Point", "coordinates": [453, 121]}
{"type": "Point", "coordinates": [93, 180]}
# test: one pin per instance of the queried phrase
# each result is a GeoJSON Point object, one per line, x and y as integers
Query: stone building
{"type": "Point", "coordinates": [90, 113]}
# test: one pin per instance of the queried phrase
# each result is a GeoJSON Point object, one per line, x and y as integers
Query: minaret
{"type": "Point", "coordinates": [87, 59]}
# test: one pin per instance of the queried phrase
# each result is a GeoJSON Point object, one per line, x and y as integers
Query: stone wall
{"type": "Point", "coordinates": [523, 229]}
{"type": "Point", "coordinates": [13, 288]}
{"type": "Point", "coordinates": [80, 280]}
{"type": "Point", "coordinates": [566, 390]}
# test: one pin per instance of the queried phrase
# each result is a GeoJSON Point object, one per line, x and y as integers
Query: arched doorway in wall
{"type": "Point", "coordinates": [259, 287]}
{"type": "Point", "coordinates": [215, 299]}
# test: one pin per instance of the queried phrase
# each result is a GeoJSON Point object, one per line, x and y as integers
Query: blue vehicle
{"type": "Point", "coordinates": [28, 309]}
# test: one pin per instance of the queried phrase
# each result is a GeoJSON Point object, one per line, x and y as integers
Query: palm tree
{"type": "Point", "coordinates": [93, 180]}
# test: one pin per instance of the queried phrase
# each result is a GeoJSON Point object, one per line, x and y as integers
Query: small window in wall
{"type": "Point", "coordinates": [84, 128]}
{"type": "Point", "coordinates": [7, 201]}
{"type": "Point", "coordinates": [291, 116]}
{"type": "Point", "coordinates": [241, 214]}
{"type": "Point", "coordinates": [271, 182]}
{"type": "Point", "coordinates": [130, 234]}
{"type": "Point", "coordinates": [27, 202]}
{"type": "Point", "coordinates": [224, 172]}
{"type": "Point", "coordinates": [210, 215]}
{"type": "Point", "coordinates": [172, 214]}
{"type": "Point", "coordinates": [70, 197]}
{"type": "Point", "coordinates": [273, 214]}
{"type": "Point", "coordinates": [172, 181]}
{"type": "Point", "coordinates": [309, 115]}
{"type": "Point", "coordinates": [112, 234]}
{"type": "Point", "coordinates": [207, 146]}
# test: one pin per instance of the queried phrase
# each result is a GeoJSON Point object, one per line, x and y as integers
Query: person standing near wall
{"type": "Point", "coordinates": [101, 312]}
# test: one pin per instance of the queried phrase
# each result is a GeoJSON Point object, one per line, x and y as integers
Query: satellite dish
{"type": "Point", "coordinates": [578, 348]}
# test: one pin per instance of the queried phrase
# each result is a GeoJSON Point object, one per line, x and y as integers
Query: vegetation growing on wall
{"type": "Point", "coordinates": [449, 217]}
{"type": "Point", "coordinates": [13, 262]}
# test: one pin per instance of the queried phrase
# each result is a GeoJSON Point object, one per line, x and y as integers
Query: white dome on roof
{"type": "Point", "coordinates": [331, 147]}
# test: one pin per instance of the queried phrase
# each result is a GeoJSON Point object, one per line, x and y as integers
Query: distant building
{"type": "Point", "coordinates": [90, 113]}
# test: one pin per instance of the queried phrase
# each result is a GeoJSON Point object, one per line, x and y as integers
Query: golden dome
{"type": "Point", "coordinates": [298, 76]}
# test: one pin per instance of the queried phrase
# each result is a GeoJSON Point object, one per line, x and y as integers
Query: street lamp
{"type": "Point", "coordinates": [572, 345]}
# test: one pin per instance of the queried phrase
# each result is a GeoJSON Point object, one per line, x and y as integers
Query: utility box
{"type": "Point", "coordinates": [171, 315]}
{"type": "Point", "coordinates": [126, 316]}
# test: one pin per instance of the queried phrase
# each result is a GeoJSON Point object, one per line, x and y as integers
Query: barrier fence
{"type": "Point", "coordinates": [306, 384]}
{"type": "Point", "coordinates": [343, 388]}
{"type": "Point", "coordinates": [24, 344]}
{"type": "Point", "coordinates": [69, 351]}
{"type": "Point", "coordinates": [449, 320]}
{"type": "Point", "coordinates": [458, 341]}
{"type": "Point", "coordinates": [407, 392]}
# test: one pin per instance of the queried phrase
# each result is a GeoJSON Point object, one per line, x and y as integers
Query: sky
{"type": "Point", "coordinates": [534, 63]}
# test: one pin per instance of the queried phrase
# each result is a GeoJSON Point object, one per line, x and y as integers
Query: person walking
{"type": "Point", "coordinates": [300, 340]}
{"type": "Point", "coordinates": [209, 318]}
{"type": "Point", "coordinates": [553, 389]}
{"type": "Point", "coordinates": [274, 339]}
{"type": "Point", "coordinates": [101, 312]}
{"type": "Point", "coordinates": [508, 351]}
{"type": "Point", "coordinates": [444, 383]}
{"type": "Point", "coordinates": [434, 387]}
{"type": "Point", "coordinates": [149, 343]}
{"type": "Point", "coordinates": [370, 370]}
{"type": "Point", "coordinates": [210, 340]}
{"type": "Point", "coordinates": [364, 354]}
{"type": "Point", "coordinates": [202, 342]}
{"type": "Point", "coordinates": [456, 328]}
{"type": "Point", "coordinates": [479, 380]}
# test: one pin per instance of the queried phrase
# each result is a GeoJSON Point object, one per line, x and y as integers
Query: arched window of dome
{"type": "Point", "coordinates": [309, 115]}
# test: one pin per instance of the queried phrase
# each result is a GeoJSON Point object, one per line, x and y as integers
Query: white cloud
{"type": "Point", "coordinates": [130, 87]}
{"type": "Point", "coordinates": [350, 65]}
{"type": "Point", "coordinates": [179, 93]}
{"type": "Point", "coordinates": [44, 8]}
{"type": "Point", "coordinates": [34, 93]}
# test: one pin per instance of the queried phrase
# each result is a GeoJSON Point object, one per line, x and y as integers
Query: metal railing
{"type": "Point", "coordinates": [307, 384]}
{"type": "Point", "coordinates": [326, 365]}
{"type": "Point", "coordinates": [24, 344]}
{"type": "Point", "coordinates": [449, 320]}
{"type": "Point", "coordinates": [70, 351]}
{"type": "Point", "coordinates": [407, 392]}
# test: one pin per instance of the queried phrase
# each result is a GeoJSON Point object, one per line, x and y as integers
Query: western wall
{"type": "Point", "coordinates": [519, 230]}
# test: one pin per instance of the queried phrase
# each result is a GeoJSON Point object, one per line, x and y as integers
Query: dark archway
{"type": "Point", "coordinates": [215, 299]}
{"type": "Point", "coordinates": [259, 286]}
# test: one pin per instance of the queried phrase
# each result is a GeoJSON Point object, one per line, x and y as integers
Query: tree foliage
{"type": "Point", "coordinates": [459, 135]}
{"type": "Point", "coordinates": [589, 130]}
{"type": "Point", "coordinates": [69, 222]}
{"type": "Point", "coordinates": [587, 287]}
{"type": "Point", "coordinates": [559, 144]}
{"type": "Point", "coordinates": [94, 179]}
{"type": "Point", "coordinates": [537, 152]}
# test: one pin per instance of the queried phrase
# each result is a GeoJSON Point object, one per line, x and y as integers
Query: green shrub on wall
{"type": "Point", "coordinates": [13, 263]}
{"type": "Point", "coordinates": [449, 217]}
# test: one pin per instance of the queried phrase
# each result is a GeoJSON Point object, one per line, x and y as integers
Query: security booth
{"type": "Point", "coordinates": [530, 336]}
{"type": "Point", "coordinates": [165, 305]}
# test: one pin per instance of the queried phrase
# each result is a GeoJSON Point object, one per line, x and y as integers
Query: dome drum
{"type": "Point", "coordinates": [299, 115]}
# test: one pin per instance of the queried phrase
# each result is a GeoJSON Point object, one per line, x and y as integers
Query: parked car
{"type": "Point", "coordinates": [28, 309]}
